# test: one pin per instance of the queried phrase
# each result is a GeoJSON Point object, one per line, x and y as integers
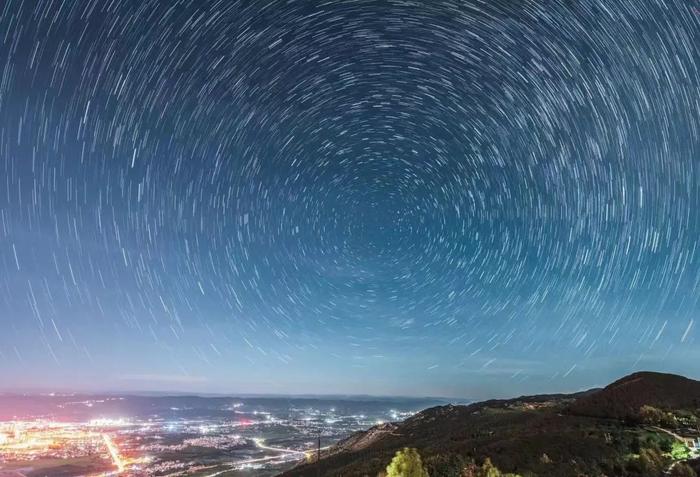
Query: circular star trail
{"type": "Point", "coordinates": [348, 196]}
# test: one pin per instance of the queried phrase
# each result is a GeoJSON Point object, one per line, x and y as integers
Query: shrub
{"type": "Point", "coordinates": [406, 463]}
{"type": "Point", "coordinates": [445, 465]}
{"type": "Point", "coordinates": [683, 470]}
{"type": "Point", "coordinates": [651, 462]}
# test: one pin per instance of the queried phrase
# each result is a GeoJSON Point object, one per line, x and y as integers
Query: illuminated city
{"type": "Point", "coordinates": [173, 436]}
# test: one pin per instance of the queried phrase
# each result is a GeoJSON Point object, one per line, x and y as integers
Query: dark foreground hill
{"type": "Point", "coordinates": [623, 398]}
{"type": "Point", "coordinates": [587, 434]}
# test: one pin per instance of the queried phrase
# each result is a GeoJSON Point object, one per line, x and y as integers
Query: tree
{"type": "Point", "coordinates": [651, 462]}
{"type": "Point", "coordinates": [666, 444]}
{"type": "Point", "coordinates": [445, 465]}
{"type": "Point", "coordinates": [489, 470]}
{"type": "Point", "coordinates": [657, 417]}
{"type": "Point", "coordinates": [683, 470]}
{"type": "Point", "coordinates": [679, 451]}
{"type": "Point", "coordinates": [406, 463]}
{"type": "Point", "coordinates": [470, 470]}
{"type": "Point", "coordinates": [651, 415]}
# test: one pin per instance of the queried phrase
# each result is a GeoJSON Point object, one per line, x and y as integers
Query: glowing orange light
{"type": "Point", "coordinates": [114, 452]}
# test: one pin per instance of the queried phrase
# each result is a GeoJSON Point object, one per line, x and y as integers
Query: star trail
{"type": "Point", "coordinates": [457, 198]}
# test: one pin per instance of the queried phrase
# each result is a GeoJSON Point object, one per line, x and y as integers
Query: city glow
{"type": "Point", "coordinates": [114, 452]}
{"type": "Point", "coordinates": [159, 442]}
{"type": "Point", "coordinates": [41, 441]}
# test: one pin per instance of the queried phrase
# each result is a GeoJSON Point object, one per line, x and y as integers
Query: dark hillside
{"type": "Point", "coordinates": [513, 433]}
{"type": "Point", "coordinates": [623, 398]}
{"type": "Point", "coordinates": [583, 434]}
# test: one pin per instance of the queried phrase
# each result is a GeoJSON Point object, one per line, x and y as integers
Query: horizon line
{"type": "Point", "coordinates": [174, 393]}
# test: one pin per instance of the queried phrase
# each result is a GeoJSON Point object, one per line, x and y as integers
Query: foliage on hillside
{"type": "Point", "coordinates": [625, 398]}
{"type": "Point", "coordinates": [545, 436]}
{"type": "Point", "coordinates": [406, 463]}
{"type": "Point", "coordinates": [683, 470]}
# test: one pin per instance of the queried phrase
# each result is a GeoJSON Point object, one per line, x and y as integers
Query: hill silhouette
{"type": "Point", "coordinates": [560, 435]}
{"type": "Point", "coordinates": [623, 398]}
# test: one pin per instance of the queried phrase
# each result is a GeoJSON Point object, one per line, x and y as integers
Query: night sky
{"type": "Point", "coordinates": [459, 198]}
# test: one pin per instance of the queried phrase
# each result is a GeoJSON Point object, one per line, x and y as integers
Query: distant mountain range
{"type": "Point", "coordinates": [618, 431]}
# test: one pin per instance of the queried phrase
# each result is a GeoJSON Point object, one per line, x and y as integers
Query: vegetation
{"type": "Point", "coordinates": [683, 470]}
{"type": "Point", "coordinates": [657, 417]}
{"type": "Point", "coordinates": [406, 463]}
{"type": "Point", "coordinates": [538, 436]}
{"type": "Point", "coordinates": [625, 398]}
{"type": "Point", "coordinates": [653, 440]}
{"type": "Point", "coordinates": [651, 462]}
{"type": "Point", "coordinates": [458, 466]}
{"type": "Point", "coordinates": [446, 465]}
{"type": "Point", "coordinates": [680, 451]}
{"type": "Point", "coordinates": [486, 470]}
